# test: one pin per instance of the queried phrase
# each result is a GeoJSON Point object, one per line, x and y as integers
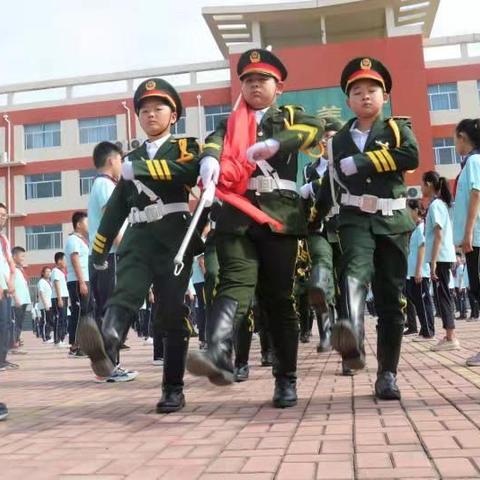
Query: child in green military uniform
{"type": "Point", "coordinates": [370, 156]}
{"type": "Point", "coordinates": [250, 252]}
{"type": "Point", "coordinates": [153, 196]}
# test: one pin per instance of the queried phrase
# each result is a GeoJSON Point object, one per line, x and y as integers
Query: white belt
{"type": "Point", "coordinates": [372, 204]}
{"type": "Point", "coordinates": [264, 184]}
{"type": "Point", "coordinates": [155, 212]}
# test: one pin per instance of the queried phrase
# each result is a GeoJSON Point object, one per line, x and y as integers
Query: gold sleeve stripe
{"type": "Point", "coordinates": [96, 249]}
{"type": "Point", "coordinates": [151, 169]}
{"type": "Point", "coordinates": [382, 159]}
{"type": "Point", "coordinates": [390, 160]}
{"type": "Point", "coordinates": [375, 161]}
{"type": "Point", "coordinates": [98, 246]}
{"type": "Point", "coordinates": [101, 237]}
{"type": "Point", "coordinates": [166, 169]}
{"type": "Point", "coordinates": [212, 145]}
{"type": "Point", "coordinates": [99, 242]}
{"type": "Point", "coordinates": [310, 132]}
{"type": "Point", "coordinates": [159, 170]}
{"type": "Point", "coordinates": [396, 131]}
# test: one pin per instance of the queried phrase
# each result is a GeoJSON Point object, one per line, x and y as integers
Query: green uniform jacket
{"type": "Point", "coordinates": [390, 150]}
{"type": "Point", "coordinates": [295, 130]}
{"type": "Point", "coordinates": [173, 169]}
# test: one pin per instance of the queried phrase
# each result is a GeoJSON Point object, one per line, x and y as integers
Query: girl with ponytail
{"type": "Point", "coordinates": [440, 252]}
{"type": "Point", "coordinates": [466, 224]}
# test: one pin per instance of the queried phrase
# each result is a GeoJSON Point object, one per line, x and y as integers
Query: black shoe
{"type": "Point", "coordinates": [408, 331]}
{"type": "Point", "coordinates": [285, 394]}
{"type": "Point", "coordinates": [386, 386]}
{"type": "Point", "coordinates": [216, 362]}
{"type": "Point", "coordinates": [124, 346]}
{"type": "Point", "coordinates": [267, 359]}
{"type": "Point", "coordinates": [324, 322]}
{"type": "Point", "coordinates": [172, 400]}
{"type": "Point", "coordinates": [241, 373]}
{"type": "Point", "coordinates": [305, 337]}
{"type": "Point", "coordinates": [348, 372]}
{"type": "Point", "coordinates": [3, 411]}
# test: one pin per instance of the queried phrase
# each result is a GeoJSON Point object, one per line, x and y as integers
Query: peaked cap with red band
{"type": "Point", "coordinates": [157, 87]}
{"type": "Point", "coordinates": [263, 62]}
{"type": "Point", "coordinates": [365, 67]}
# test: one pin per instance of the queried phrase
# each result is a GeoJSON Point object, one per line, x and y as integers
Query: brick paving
{"type": "Point", "coordinates": [62, 425]}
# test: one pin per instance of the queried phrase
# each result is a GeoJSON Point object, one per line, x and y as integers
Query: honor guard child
{"type": "Point", "coordinates": [370, 156]}
{"type": "Point", "coordinates": [257, 238]}
{"type": "Point", "coordinates": [153, 196]}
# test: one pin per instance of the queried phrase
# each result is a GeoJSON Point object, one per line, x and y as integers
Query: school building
{"type": "Point", "coordinates": [48, 129]}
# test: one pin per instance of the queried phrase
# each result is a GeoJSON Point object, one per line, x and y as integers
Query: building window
{"type": "Point", "coordinates": [180, 128]}
{"type": "Point", "coordinates": [44, 237]}
{"type": "Point", "coordinates": [42, 135]}
{"type": "Point", "coordinates": [214, 115]}
{"type": "Point", "coordinates": [87, 177]}
{"type": "Point", "coordinates": [43, 185]}
{"type": "Point", "coordinates": [444, 151]}
{"type": "Point", "coordinates": [443, 96]}
{"type": "Point", "coordinates": [94, 130]}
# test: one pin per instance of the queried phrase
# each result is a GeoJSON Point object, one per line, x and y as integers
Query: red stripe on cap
{"type": "Point", "coordinates": [162, 94]}
{"type": "Point", "coordinates": [260, 67]}
{"type": "Point", "coordinates": [367, 73]}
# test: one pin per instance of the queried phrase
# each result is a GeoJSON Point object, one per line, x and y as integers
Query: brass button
{"type": "Point", "coordinates": [369, 180]}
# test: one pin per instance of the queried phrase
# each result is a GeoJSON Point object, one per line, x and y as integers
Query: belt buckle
{"type": "Point", "coordinates": [152, 213]}
{"type": "Point", "coordinates": [369, 203]}
{"type": "Point", "coordinates": [264, 184]}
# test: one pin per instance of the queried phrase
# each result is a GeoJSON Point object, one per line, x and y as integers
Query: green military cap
{"type": "Point", "coordinates": [157, 87]}
{"type": "Point", "coordinates": [365, 67]}
{"type": "Point", "coordinates": [259, 60]}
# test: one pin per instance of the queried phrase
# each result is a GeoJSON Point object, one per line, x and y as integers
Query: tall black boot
{"type": "Point", "coordinates": [243, 342]}
{"type": "Point", "coordinates": [324, 322]}
{"type": "Point", "coordinates": [348, 333]}
{"type": "Point", "coordinates": [389, 343]}
{"type": "Point", "coordinates": [103, 346]}
{"type": "Point", "coordinates": [285, 345]}
{"type": "Point", "coordinates": [175, 347]}
{"type": "Point", "coordinates": [216, 362]}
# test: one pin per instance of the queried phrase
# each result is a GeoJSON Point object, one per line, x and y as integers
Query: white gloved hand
{"type": "Point", "coordinates": [306, 191]}
{"type": "Point", "coordinates": [101, 267]}
{"type": "Point", "coordinates": [127, 170]}
{"type": "Point", "coordinates": [262, 150]}
{"type": "Point", "coordinates": [209, 171]}
{"type": "Point", "coordinates": [348, 167]}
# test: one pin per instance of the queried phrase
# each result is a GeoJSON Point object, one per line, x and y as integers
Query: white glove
{"type": "Point", "coordinates": [306, 191]}
{"type": "Point", "coordinates": [104, 266]}
{"type": "Point", "coordinates": [209, 170]}
{"type": "Point", "coordinates": [262, 150]}
{"type": "Point", "coordinates": [127, 170]}
{"type": "Point", "coordinates": [348, 167]}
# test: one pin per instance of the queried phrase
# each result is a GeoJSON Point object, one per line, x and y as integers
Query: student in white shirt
{"type": "Point", "coordinates": [21, 297]}
{"type": "Point", "coordinates": [59, 298]}
{"type": "Point", "coordinates": [76, 259]}
{"type": "Point", "coordinates": [45, 302]}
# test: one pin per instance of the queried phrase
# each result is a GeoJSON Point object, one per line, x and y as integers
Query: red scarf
{"type": "Point", "coordinates": [235, 169]}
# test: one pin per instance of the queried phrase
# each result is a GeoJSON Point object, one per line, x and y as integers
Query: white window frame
{"type": "Point", "coordinates": [32, 183]}
{"type": "Point", "coordinates": [32, 237]}
{"type": "Point", "coordinates": [216, 117]}
{"type": "Point", "coordinates": [48, 135]}
{"type": "Point", "coordinates": [435, 92]}
{"type": "Point", "coordinates": [448, 144]}
{"type": "Point", "coordinates": [92, 130]}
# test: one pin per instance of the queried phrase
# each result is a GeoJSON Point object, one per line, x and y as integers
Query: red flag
{"type": "Point", "coordinates": [235, 169]}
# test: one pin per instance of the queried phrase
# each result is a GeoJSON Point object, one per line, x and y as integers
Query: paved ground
{"type": "Point", "coordinates": [63, 425]}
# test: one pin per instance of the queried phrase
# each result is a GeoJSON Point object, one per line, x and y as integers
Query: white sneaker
{"type": "Point", "coordinates": [158, 362]}
{"type": "Point", "coordinates": [473, 361]}
{"type": "Point", "coordinates": [63, 345]}
{"type": "Point", "coordinates": [119, 375]}
{"type": "Point", "coordinates": [421, 338]}
{"type": "Point", "coordinates": [445, 345]}
{"type": "Point", "coordinates": [148, 341]}
{"type": "Point", "coordinates": [472, 319]}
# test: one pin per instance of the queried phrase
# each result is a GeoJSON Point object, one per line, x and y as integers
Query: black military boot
{"type": "Point", "coordinates": [175, 347]}
{"type": "Point", "coordinates": [285, 345]}
{"type": "Point", "coordinates": [389, 343]}
{"type": "Point", "coordinates": [243, 342]}
{"type": "Point", "coordinates": [102, 346]}
{"type": "Point", "coordinates": [324, 322]}
{"type": "Point", "coordinates": [216, 362]}
{"type": "Point", "coordinates": [266, 347]}
{"type": "Point", "coordinates": [348, 333]}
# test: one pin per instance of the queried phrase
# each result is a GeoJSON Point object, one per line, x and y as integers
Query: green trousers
{"type": "Point", "coordinates": [380, 259]}
{"type": "Point", "coordinates": [264, 263]}
{"type": "Point", "coordinates": [145, 260]}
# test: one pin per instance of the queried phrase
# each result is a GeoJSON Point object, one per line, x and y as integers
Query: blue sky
{"type": "Point", "coordinates": [66, 38]}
